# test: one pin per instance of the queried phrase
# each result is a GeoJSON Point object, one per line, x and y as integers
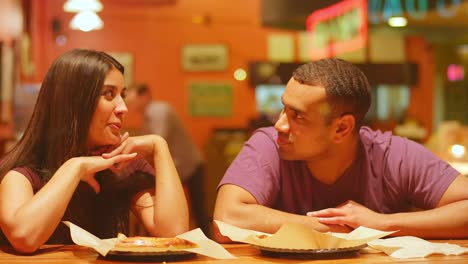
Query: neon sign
{"type": "Point", "coordinates": [336, 29]}
{"type": "Point", "coordinates": [455, 73]}
{"type": "Point", "coordinates": [382, 10]}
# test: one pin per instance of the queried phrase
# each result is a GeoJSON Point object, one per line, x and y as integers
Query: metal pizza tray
{"type": "Point", "coordinates": [309, 253]}
{"type": "Point", "coordinates": [158, 256]}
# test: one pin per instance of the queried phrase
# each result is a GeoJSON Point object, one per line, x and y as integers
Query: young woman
{"type": "Point", "coordinates": [72, 163]}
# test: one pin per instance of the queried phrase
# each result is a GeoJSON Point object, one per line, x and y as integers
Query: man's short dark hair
{"type": "Point", "coordinates": [346, 86]}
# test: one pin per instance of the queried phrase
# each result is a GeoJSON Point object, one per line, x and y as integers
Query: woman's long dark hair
{"type": "Point", "coordinates": [58, 128]}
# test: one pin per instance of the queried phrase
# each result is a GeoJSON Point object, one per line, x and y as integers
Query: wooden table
{"type": "Point", "coordinates": [73, 254]}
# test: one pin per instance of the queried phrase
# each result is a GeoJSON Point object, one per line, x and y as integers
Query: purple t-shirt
{"type": "Point", "coordinates": [390, 175]}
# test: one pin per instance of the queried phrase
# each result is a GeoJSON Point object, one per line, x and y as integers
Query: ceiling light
{"type": "Point", "coordinates": [86, 21]}
{"type": "Point", "coordinates": [397, 22]}
{"type": "Point", "coordinates": [11, 20]}
{"type": "Point", "coordinates": [74, 6]}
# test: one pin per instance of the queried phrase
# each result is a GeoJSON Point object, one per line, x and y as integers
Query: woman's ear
{"type": "Point", "coordinates": [344, 127]}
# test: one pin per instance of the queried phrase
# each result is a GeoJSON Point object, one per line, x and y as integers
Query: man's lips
{"type": "Point", "coordinates": [282, 140]}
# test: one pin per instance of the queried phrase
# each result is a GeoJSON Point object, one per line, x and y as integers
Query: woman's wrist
{"type": "Point", "coordinates": [159, 145]}
{"type": "Point", "coordinates": [73, 167]}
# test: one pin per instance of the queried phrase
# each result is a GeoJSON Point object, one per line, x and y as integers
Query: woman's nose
{"type": "Point", "coordinates": [282, 124]}
{"type": "Point", "coordinates": [121, 106]}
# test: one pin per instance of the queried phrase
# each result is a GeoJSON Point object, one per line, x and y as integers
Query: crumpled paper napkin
{"type": "Point", "coordinates": [300, 237]}
{"type": "Point", "coordinates": [206, 246]}
{"type": "Point", "coordinates": [414, 247]}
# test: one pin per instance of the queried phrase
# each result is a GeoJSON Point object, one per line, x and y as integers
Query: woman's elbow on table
{"type": "Point", "coordinates": [24, 244]}
{"type": "Point", "coordinates": [23, 241]}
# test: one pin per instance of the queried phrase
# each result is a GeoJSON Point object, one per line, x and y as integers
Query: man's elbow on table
{"type": "Point", "coordinates": [223, 214]}
{"type": "Point", "coordinates": [218, 237]}
{"type": "Point", "coordinates": [233, 205]}
{"type": "Point", "coordinates": [226, 212]}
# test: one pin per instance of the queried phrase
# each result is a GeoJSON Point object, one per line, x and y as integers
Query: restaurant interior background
{"type": "Point", "coordinates": [223, 64]}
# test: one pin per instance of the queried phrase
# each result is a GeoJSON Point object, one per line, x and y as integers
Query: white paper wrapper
{"type": "Point", "coordinates": [205, 247]}
{"type": "Point", "coordinates": [413, 247]}
{"type": "Point", "coordinates": [299, 237]}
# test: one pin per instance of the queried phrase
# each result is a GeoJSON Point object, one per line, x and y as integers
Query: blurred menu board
{"type": "Point", "coordinates": [210, 99]}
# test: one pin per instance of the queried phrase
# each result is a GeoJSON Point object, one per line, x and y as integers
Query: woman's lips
{"type": "Point", "coordinates": [115, 126]}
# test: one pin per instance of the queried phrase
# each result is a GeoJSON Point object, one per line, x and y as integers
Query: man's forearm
{"type": "Point", "coordinates": [449, 221]}
{"type": "Point", "coordinates": [260, 218]}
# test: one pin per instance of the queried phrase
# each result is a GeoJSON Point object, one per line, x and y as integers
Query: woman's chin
{"type": "Point", "coordinates": [107, 139]}
{"type": "Point", "coordinates": [113, 139]}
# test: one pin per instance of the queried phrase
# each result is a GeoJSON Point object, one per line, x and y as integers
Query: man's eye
{"type": "Point", "coordinates": [297, 115]}
{"type": "Point", "coordinates": [124, 94]}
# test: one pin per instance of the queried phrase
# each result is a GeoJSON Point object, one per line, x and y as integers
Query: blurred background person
{"type": "Point", "coordinates": [148, 116]}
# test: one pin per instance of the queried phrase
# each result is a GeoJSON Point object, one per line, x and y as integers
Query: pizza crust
{"type": "Point", "coordinates": [152, 244]}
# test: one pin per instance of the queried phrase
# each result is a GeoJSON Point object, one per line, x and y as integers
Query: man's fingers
{"type": "Point", "coordinates": [339, 220]}
{"type": "Point", "coordinates": [326, 213]}
{"type": "Point", "coordinates": [340, 228]}
{"type": "Point", "coordinates": [331, 220]}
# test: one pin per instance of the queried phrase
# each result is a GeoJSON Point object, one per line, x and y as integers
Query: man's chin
{"type": "Point", "coordinates": [285, 155]}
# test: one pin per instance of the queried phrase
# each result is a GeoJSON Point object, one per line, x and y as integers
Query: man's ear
{"type": "Point", "coordinates": [344, 127]}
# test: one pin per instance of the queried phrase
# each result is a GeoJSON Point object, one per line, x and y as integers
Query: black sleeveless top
{"type": "Point", "coordinates": [104, 214]}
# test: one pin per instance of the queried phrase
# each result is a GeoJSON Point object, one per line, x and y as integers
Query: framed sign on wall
{"type": "Point", "coordinates": [205, 57]}
{"type": "Point", "coordinates": [126, 59]}
{"type": "Point", "coordinates": [208, 99]}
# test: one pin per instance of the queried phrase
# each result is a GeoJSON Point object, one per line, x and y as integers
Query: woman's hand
{"type": "Point", "coordinates": [89, 166]}
{"type": "Point", "coordinates": [168, 215]}
{"type": "Point", "coordinates": [145, 146]}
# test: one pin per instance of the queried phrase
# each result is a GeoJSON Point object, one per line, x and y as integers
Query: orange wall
{"type": "Point", "coordinates": [421, 105]}
{"type": "Point", "coordinates": [155, 35]}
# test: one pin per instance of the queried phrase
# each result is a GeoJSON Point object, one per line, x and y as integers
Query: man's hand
{"type": "Point", "coordinates": [350, 214]}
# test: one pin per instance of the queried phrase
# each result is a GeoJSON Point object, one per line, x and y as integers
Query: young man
{"type": "Point", "coordinates": [319, 167]}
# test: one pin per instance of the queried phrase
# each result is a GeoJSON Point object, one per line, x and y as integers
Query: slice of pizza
{"type": "Point", "coordinates": [152, 244]}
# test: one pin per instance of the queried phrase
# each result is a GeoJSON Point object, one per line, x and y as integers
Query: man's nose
{"type": "Point", "coordinates": [282, 125]}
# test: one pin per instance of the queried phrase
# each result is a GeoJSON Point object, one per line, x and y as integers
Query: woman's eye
{"type": "Point", "coordinates": [109, 95]}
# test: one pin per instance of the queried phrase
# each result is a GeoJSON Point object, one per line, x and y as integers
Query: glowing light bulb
{"type": "Point", "coordinates": [240, 74]}
{"type": "Point", "coordinates": [397, 22]}
{"type": "Point", "coordinates": [457, 150]}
